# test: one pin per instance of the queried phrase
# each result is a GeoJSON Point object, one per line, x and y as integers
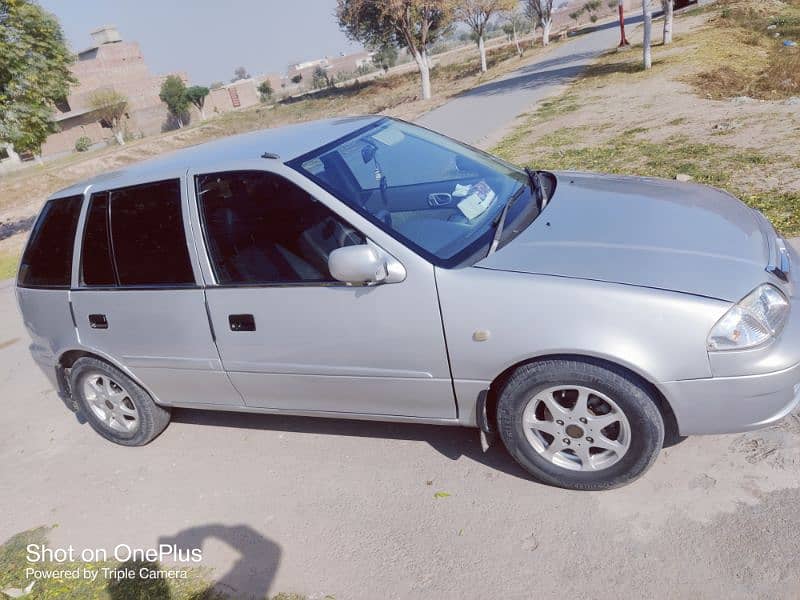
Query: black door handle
{"type": "Point", "coordinates": [98, 322]}
{"type": "Point", "coordinates": [242, 322]}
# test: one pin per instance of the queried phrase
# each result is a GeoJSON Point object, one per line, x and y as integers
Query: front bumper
{"type": "Point", "coordinates": [733, 404]}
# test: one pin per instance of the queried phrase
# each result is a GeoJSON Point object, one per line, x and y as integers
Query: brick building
{"type": "Point", "coordinates": [109, 63]}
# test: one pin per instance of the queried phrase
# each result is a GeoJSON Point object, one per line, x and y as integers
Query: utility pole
{"type": "Point", "coordinates": [623, 41]}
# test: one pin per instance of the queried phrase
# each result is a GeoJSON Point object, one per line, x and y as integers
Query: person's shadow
{"type": "Point", "coordinates": [250, 576]}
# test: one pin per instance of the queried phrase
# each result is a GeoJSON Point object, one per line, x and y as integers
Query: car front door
{"type": "Point", "coordinates": [290, 336]}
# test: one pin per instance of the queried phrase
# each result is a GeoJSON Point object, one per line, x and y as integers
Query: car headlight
{"type": "Point", "coordinates": [754, 320]}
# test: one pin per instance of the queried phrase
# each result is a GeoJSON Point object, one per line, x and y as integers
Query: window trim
{"type": "Point", "coordinates": [82, 286]}
{"type": "Point", "coordinates": [48, 202]}
{"type": "Point", "coordinates": [215, 284]}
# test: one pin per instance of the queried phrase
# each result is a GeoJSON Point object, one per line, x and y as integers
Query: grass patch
{"type": "Point", "coordinates": [8, 265]}
{"type": "Point", "coordinates": [625, 154]}
{"type": "Point", "coordinates": [756, 64]}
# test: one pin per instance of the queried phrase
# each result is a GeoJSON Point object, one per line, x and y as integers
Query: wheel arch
{"type": "Point", "coordinates": [661, 401]}
{"type": "Point", "coordinates": [69, 357]}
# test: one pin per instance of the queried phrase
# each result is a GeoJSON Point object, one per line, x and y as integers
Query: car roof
{"type": "Point", "coordinates": [287, 142]}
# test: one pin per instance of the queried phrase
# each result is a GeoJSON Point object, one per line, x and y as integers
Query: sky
{"type": "Point", "coordinates": [208, 39]}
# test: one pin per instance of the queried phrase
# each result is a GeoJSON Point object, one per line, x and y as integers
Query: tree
{"type": "Point", "coordinates": [297, 78]}
{"type": "Point", "coordinates": [265, 90]}
{"type": "Point", "coordinates": [516, 23]}
{"type": "Point", "coordinates": [476, 14]}
{"type": "Point", "coordinates": [385, 56]}
{"type": "Point", "coordinates": [319, 78]}
{"type": "Point", "coordinates": [110, 106]}
{"type": "Point", "coordinates": [412, 24]}
{"type": "Point", "coordinates": [34, 74]}
{"type": "Point", "coordinates": [197, 96]}
{"type": "Point", "coordinates": [173, 94]}
{"type": "Point", "coordinates": [669, 11]}
{"type": "Point", "coordinates": [216, 85]}
{"type": "Point", "coordinates": [647, 12]}
{"type": "Point", "coordinates": [576, 16]}
{"type": "Point", "coordinates": [240, 73]}
{"type": "Point", "coordinates": [541, 12]}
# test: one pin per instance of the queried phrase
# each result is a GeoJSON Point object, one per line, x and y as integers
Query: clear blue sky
{"type": "Point", "coordinates": [206, 39]}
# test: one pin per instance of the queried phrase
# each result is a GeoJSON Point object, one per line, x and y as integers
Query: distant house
{"type": "Point", "coordinates": [109, 63]}
{"type": "Point", "coordinates": [333, 66]}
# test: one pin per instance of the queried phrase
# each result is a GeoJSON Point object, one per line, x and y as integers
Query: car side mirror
{"type": "Point", "coordinates": [364, 264]}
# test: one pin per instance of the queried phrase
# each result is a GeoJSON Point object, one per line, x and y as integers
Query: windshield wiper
{"type": "Point", "coordinates": [500, 221]}
{"type": "Point", "coordinates": [536, 187]}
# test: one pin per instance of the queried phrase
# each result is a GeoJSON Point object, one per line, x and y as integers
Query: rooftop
{"type": "Point", "coordinates": [287, 142]}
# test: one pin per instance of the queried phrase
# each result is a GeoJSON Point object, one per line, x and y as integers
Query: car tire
{"type": "Point", "coordinates": [547, 434]}
{"type": "Point", "coordinates": [116, 407]}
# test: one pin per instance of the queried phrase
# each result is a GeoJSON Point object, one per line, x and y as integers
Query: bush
{"type": "Point", "coordinates": [83, 143]}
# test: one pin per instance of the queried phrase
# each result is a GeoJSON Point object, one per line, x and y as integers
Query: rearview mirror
{"type": "Point", "coordinates": [364, 264]}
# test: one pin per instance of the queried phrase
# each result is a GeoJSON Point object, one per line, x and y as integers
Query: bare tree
{"type": "Point", "coordinates": [541, 12]}
{"type": "Point", "coordinates": [110, 105]}
{"type": "Point", "coordinates": [647, 12]}
{"type": "Point", "coordinates": [517, 23]}
{"type": "Point", "coordinates": [669, 10]}
{"type": "Point", "coordinates": [476, 14]}
{"type": "Point", "coordinates": [412, 24]}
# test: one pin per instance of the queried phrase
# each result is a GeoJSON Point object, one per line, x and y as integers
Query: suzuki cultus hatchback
{"type": "Point", "coordinates": [367, 268]}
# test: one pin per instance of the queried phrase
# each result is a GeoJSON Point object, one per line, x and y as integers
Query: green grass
{"type": "Point", "coordinates": [627, 154]}
{"type": "Point", "coordinates": [14, 561]}
{"type": "Point", "coordinates": [8, 265]}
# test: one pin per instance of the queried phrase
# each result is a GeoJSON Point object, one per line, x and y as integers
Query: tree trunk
{"type": "Point", "coordinates": [119, 137]}
{"type": "Point", "coordinates": [482, 50]}
{"type": "Point", "coordinates": [202, 113]}
{"type": "Point", "coordinates": [516, 41]}
{"type": "Point", "coordinates": [669, 7]}
{"type": "Point", "coordinates": [647, 12]}
{"type": "Point", "coordinates": [546, 25]}
{"type": "Point", "coordinates": [424, 73]}
{"type": "Point", "coordinates": [180, 122]}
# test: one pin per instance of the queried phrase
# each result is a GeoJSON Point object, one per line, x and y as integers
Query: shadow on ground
{"type": "Point", "coordinates": [10, 228]}
{"type": "Point", "coordinates": [452, 442]}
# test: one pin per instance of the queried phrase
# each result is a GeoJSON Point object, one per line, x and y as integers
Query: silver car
{"type": "Point", "coordinates": [366, 268]}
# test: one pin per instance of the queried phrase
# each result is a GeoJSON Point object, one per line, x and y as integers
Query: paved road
{"type": "Point", "coordinates": [481, 115]}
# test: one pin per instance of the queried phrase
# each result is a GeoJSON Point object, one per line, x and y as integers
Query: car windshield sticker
{"type": "Point", "coordinates": [478, 200]}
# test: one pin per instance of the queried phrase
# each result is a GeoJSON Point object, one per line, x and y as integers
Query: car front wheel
{"type": "Point", "coordinates": [579, 424]}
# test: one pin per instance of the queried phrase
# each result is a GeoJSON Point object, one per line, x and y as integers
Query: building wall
{"type": "Point", "coordinates": [119, 66]}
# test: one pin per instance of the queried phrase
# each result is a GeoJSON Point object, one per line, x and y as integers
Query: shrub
{"type": "Point", "coordinates": [83, 143]}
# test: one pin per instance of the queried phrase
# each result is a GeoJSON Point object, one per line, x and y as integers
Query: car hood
{"type": "Point", "coordinates": [644, 232]}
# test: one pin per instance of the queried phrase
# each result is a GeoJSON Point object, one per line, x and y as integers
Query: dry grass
{"type": "Point", "coordinates": [758, 64]}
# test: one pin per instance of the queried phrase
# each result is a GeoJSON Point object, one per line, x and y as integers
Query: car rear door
{"type": "Point", "coordinates": [139, 299]}
{"type": "Point", "coordinates": [290, 336]}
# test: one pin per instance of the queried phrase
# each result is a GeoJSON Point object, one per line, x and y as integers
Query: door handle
{"type": "Point", "coordinates": [98, 322]}
{"type": "Point", "coordinates": [242, 322]}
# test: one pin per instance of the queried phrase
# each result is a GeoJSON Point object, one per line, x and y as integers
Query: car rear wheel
{"type": "Point", "coordinates": [579, 424]}
{"type": "Point", "coordinates": [115, 406]}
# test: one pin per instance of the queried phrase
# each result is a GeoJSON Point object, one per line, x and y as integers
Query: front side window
{"type": "Point", "coordinates": [439, 197]}
{"type": "Point", "coordinates": [262, 229]}
{"type": "Point", "coordinates": [47, 261]}
{"type": "Point", "coordinates": [135, 237]}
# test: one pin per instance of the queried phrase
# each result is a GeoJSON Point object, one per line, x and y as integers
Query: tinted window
{"type": "Point", "coordinates": [262, 229]}
{"type": "Point", "coordinates": [148, 242]}
{"type": "Point", "coordinates": [96, 253]}
{"type": "Point", "coordinates": [47, 261]}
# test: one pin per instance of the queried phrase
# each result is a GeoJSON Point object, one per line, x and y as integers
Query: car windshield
{"type": "Point", "coordinates": [441, 198]}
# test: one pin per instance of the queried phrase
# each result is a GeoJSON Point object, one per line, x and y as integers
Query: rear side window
{"type": "Point", "coordinates": [47, 261]}
{"type": "Point", "coordinates": [96, 255]}
{"type": "Point", "coordinates": [135, 237]}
